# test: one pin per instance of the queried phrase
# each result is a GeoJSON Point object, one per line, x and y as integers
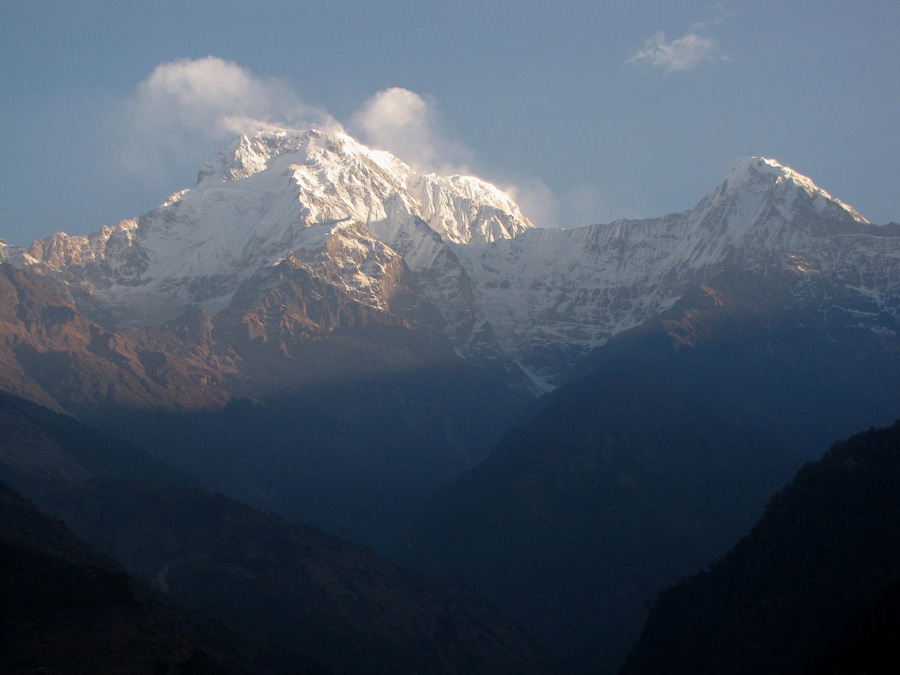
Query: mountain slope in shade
{"type": "Point", "coordinates": [812, 588]}
{"type": "Point", "coordinates": [67, 608]}
{"type": "Point", "coordinates": [300, 596]}
{"type": "Point", "coordinates": [655, 461]}
{"type": "Point", "coordinates": [335, 367]}
{"type": "Point", "coordinates": [39, 445]}
{"type": "Point", "coordinates": [354, 457]}
{"type": "Point", "coordinates": [295, 600]}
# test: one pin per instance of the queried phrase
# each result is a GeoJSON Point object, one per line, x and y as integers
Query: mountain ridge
{"type": "Point", "coordinates": [652, 460]}
{"type": "Point", "coordinates": [548, 296]}
{"type": "Point", "coordinates": [609, 278]}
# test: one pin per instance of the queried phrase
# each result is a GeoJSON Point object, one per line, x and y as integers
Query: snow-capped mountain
{"type": "Point", "coordinates": [564, 292]}
{"type": "Point", "coordinates": [358, 219]}
{"type": "Point", "coordinates": [319, 330]}
{"type": "Point", "coordinates": [265, 198]}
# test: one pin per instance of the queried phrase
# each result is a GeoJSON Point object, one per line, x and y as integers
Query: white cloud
{"type": "Point", "coordinates": [685, 53]}
{"type": "Point", "coordinates": [186, 109]}
{"type": "Point", "coordinates": [219, 98]}
{"type": "Point", "coordinates": [405, 124]}
{"type": "Point", "coordinates": [536, 200]}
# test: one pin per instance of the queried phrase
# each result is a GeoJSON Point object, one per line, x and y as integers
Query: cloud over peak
{"type": "Point", "coordinates": [218, 98]}
{"type": "Point", "coordinates": [185, 109]}
{"type": "Point", "coordinates": [406, 124]}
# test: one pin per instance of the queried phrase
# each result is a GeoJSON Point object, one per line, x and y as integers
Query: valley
{"type": "Point", "coordinates": [562, 421]}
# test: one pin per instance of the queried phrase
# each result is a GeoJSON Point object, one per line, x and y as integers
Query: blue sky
{"type": "Point", "coordinates": [589, 111]}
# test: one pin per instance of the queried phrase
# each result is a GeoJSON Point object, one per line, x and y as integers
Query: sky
{"type": "Point", "coordinates": [586, 112]}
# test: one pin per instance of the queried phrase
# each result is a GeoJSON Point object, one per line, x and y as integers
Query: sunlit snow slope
{"type": "Point", "coordinates": [545, 298]}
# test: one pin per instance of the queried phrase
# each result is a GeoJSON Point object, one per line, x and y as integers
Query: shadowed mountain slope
{"type": "Point", "coordinates": [69, 609]}
{"type": "Point", "coordinates": [812, 588]}
{"type": "Point", "coordinates": [654, 462]}
{"type": "Point", "coordinates": [293, 597]}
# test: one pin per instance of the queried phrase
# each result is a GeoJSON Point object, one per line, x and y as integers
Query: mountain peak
{"type": "Point", "coordinates": [782, 185]}
{"type": "Point", "coordinates": [250, 154]}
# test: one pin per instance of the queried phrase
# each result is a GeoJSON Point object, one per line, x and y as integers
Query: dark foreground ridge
{"type": "Point", "coordinates": [289, 598]}
{"type": "Point", "coordinates": [69, 609]}
{"type": "Point", "coordinates": [656, 461]}
{"type": "Point", "coordinates": [814, 587]}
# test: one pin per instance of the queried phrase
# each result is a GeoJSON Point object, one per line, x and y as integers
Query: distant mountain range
{"type": "Point", "coordinates": [320, 331]}
{"type": "Point", "coordinates": [383, 244]}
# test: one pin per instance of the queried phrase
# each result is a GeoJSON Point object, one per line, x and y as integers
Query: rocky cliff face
{"type": "Point", "coordinates": [268, 197]}
{"type": "Point", "coordinates": [289, 240]}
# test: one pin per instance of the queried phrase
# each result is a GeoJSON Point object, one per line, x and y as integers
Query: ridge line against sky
{"type": "Point", "coordinates": [585, 113]}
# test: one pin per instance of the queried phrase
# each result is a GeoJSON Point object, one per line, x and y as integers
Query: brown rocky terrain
{"type": "Point", "coordinates": [51, 353]}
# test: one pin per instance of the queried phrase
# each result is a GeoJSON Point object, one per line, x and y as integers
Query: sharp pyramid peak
{"type": "Point", "coordinates": [770, 170]}
{"type": "Point", "coordinates": [764, 175]}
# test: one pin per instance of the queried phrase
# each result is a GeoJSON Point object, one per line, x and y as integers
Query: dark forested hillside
{"type": "Point", "coordinates": [812, 588]}
{"type": "Point", "coordinates": [353, 457]}
{"type": "Point", "coordinates": [300, 596]}
{"type": "Point", "coordinates": [38, 445]}
{"type": "Point", "coordinates": [66, 608]}
{"type": "Point", "coordinates": [292, 598]}
{"type": "Point", "coordinates": [654, 462]}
